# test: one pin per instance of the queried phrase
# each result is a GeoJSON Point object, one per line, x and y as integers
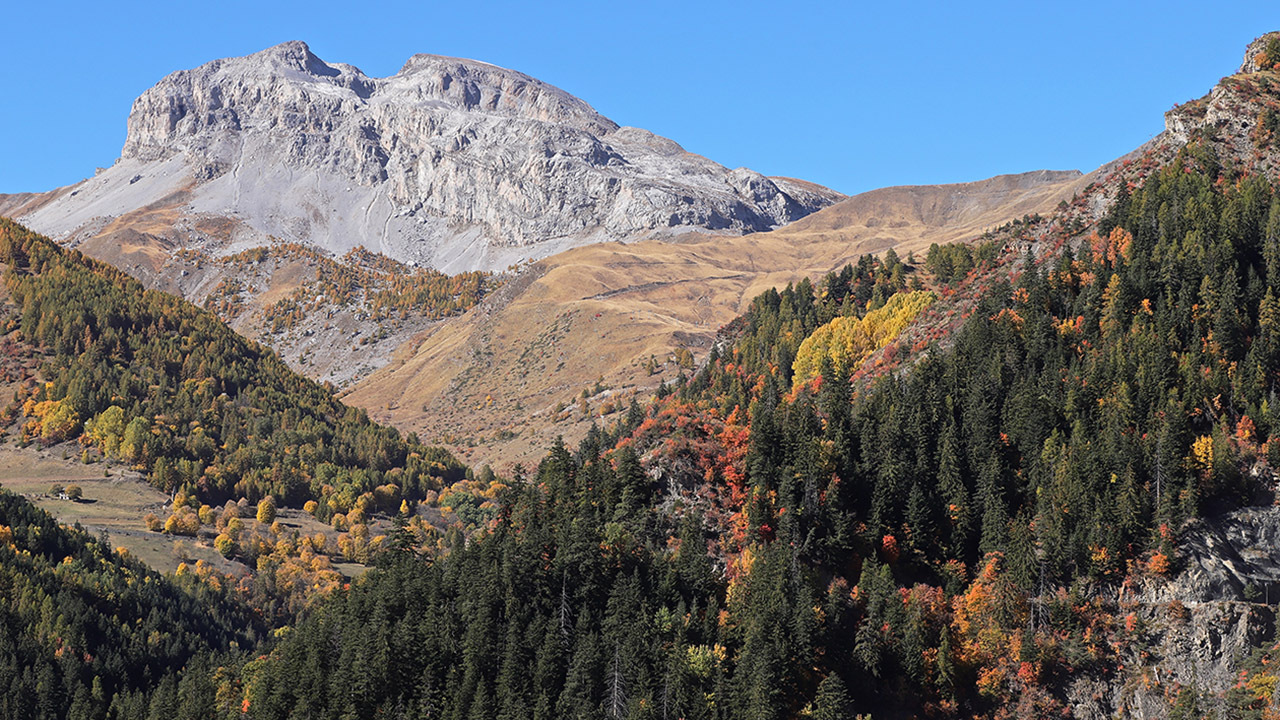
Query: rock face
{"type": "Point", "coordinates": [1194, 629]}
{"type": "Point", "coordinates": [1230, 115]}
{"type": "Point", "coordinates": [1255, 52]}
{"type": "Point", "coordinates": [452, 163]}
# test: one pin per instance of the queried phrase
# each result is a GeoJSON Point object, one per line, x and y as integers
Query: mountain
{"type": "Point", "coordinates": [507, 375]}
{"type": "Point", "coordinates": [450, 163]}
{"type": "Point", "coordinates": [1033, 475]}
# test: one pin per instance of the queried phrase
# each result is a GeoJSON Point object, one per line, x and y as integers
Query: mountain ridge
{"type": "Point", "coordinates": [451, 163]}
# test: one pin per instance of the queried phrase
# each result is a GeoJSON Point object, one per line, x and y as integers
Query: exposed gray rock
{"type": "Point", "coordinates": [452, 163]}
{"type": "Point", "coordinates": [1231, 557]}
{"type": "Point", "coordinates": [1252, 52]}
{"type": "Point", "coordinates": [1198, 625]}
{"type": "Point", "coordinates": [1228, 115]}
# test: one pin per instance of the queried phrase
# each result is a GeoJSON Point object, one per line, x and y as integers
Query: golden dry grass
{"type": "Point", "coordinates": [115, 504]}
{"type": "Point", "coordinates": [139, 239]}
{"type": "Point", "coordinates": [488, 384]}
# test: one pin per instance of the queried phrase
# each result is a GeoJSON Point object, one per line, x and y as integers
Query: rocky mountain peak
{"type": "Point", "coordinates": [189, 108]}
{"type": "Point", "coordinates": [453, 163]}
{"type": "Point", "coordinates": [472, 85]}
{"type": "Point", "coordinates": [296, 55]}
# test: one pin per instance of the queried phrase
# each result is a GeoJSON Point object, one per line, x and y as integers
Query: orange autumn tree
{"type": "Point", "coordinates": [1118, 244]}
{"type": "Point", "coordinates": [986, 620]}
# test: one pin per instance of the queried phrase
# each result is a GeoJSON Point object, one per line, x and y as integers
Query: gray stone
{"type": "Point", "coordinates": [452, 163]}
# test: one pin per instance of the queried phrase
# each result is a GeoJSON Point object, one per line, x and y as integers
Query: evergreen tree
{"type": "Point", "coordinates": [832, 702]}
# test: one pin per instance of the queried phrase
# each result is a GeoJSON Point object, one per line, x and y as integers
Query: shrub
{"type": "Point", "coordinates": [267, 510]}
{"type": "Point", "coordinates": [225, 545]}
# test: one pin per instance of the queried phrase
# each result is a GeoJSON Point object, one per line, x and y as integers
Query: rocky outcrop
{"type": "Point", "coordinates": [1231, 557]}
{"type": "Point", "coordinates": [1255, 52]}
{"type": "Point", "coordinates": [1229, 113]}
{"type": "Point", "coordinates": [452, 163]}
{"type": "Point", "coordinates": [1192, 631]}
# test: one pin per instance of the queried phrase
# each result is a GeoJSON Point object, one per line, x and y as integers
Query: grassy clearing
{"type": "Point", "coordinates": [164, 552]}
{"type": "Point", "coordinates": [115, 504]}
{"type": "Point", "coordinates": [116, 501]}
{"type": "Point", "coordinates": [351, 571]}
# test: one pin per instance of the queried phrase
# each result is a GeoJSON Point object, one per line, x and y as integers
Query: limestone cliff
{"type": "Point", "coordinates": [451, 163]}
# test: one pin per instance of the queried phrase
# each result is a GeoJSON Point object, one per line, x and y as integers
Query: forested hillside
{"type": "Point", "coordinates": [151, 380]}
{"type": "Point", "coordinates": [1090, 399]}
{"type": "Point", "coordinates": [88, 633]}
{"type": "Point", "coordinates": [941, 534]}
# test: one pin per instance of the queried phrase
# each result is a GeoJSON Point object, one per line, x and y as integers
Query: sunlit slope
{"type": "Point", "coordinates": [911, 217]}
{"type": "Point", "coordinates": [494, 378]}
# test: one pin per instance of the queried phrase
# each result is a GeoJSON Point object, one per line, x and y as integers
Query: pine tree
{"type": "Point", "coordinates": [196, 694]}
{"type": "Point", "coordinates": [920, 525]}
{"type": "Point", "coordinates": [946, 677]}
{"type": "Point", "coordinates": [955, 496]}
{"type": "Point", "coordinates": [164, 701]}
{"type": "Point", "coordinates": [995, 513]}
{"type": "Point", "coordinates": [580, 697]}
{"type": "Point", "coordinates": [832, 701]}
{"type": "Point", "coordinates": [634, 484]}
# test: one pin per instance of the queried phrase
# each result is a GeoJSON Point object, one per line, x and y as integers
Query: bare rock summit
{"type": "Point", "coordinates": [451, 163]}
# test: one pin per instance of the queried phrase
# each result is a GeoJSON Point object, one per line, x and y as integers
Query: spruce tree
{"type": "Point", "coordinates": [832, 701]}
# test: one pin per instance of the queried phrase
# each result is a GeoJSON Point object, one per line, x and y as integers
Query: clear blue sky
{"type": "Point", "coordinates": [851, 95]}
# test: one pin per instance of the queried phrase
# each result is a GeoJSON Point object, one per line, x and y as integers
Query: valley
{"type": "Point", "coordinates": [996, 449]}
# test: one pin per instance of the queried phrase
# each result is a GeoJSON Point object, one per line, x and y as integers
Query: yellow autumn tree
{"type": "Point", "coordinates": [58, 421]}
{"type": "Point", "coordinates": [184, 522]}
{"type": "Point", "coordinates": [1113, 318]}
{"type": "Point", "coordinates": [106, 429]}
{"type": "Point", "coordinates": [267, 510]}
{"type": "Point", "coordinates": [1202, 455]}
{"type": "Point", "coordinates": [225, 545]}
{"type": "Point", "coordinates": [847, 341]}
